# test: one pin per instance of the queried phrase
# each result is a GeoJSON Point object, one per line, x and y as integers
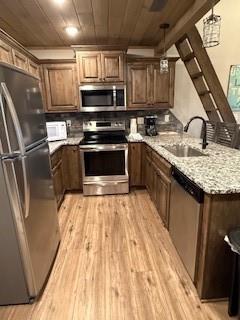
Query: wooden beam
{"type": "Point", "coordinates": [187, 21]}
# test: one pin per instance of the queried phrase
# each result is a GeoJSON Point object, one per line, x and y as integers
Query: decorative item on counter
{"type": "Point", "coordinates": [163, 60]}
{"type": "Point", "coordinates": [234, 88]}
{"type": "Point", "coordinates": [211, 29]}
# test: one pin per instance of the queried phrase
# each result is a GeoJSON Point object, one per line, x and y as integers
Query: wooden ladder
{"type": "Point", "coordinates": [203, 75]}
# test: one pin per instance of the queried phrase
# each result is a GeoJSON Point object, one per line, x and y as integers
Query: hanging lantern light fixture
{"type": "Point", "coordinates": [211, 30]}
{"type": "Point", "coordinates": [164, 59]}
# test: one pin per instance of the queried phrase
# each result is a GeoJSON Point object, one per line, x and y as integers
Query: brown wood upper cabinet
{"type": "Point", "coordinates": [96, 66]}
{"type": "Point", "coordinates": [139, 85]}
{"type": "Point", "coordinates": [20, 60]}
{"type": "Point", "coordinates": [5, 53]}
{"type": "Point", "coordinates": [61, 89]}
{"type": "Point", "coordinates": [33, 68]}
{"type": "Point", "coordinates": [147, 87]}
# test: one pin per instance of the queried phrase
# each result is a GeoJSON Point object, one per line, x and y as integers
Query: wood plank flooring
{"type": "Point", "coordinates": [115, 262]}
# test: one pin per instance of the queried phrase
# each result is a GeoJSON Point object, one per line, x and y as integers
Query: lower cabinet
{"type": "Point", "coordinates": [66, 171]}
{"type": "Point", "coordinates": [147, 168]}
{"type": "Point", "coordinates": [149, 178]}
{"type": "Point", "coordinates": [57, 174]}
{"type": "Point", "coordinates": [158, 182]}
{"type": "Point", "coordinates": [72, 168]}
{"type": "Point", "coordinates": [162, 187]}
{"type": "Point", "coordinates": [135, 164]}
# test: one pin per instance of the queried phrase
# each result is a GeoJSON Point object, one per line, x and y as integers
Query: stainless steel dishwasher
{"type": "Point", "coordinates": [185, 217]}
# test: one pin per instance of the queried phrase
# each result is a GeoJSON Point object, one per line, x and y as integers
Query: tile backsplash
{"type": "Point", "coordinates": [76, 129]}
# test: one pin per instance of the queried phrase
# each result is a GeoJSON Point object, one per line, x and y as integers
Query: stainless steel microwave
{"type": "Point", "coordinates": [102, 98]}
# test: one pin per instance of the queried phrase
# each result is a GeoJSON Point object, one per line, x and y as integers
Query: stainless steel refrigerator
{"type": "Point", "coordinates": [29, 231]}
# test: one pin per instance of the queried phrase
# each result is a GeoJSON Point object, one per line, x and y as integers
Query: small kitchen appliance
{"type": "Point", "coordinates": [56, 130]}
{"type": "Point", "coordinates": [151, 126]}
{"type": "Point", "coordinates": [102, 97]}
{"type": "Point", "coordinates": [104, 156]}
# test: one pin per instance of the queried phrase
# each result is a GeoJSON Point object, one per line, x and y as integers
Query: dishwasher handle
{"type": "Point", "coordinates": [188, 185]}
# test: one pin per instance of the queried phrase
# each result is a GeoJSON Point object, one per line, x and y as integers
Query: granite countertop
{"type": "Point", "coordinates": [217, 173]}
{"type": "Point", "coordinates": [54, 146]}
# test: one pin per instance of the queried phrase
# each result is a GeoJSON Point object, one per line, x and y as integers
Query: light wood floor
{"type": "Point", "coordinates": [116, 261]}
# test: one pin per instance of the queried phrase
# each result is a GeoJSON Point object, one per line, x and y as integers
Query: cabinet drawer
{"type": "Point", "coordinates": [162, 164]}
{"type": "Point", "coordinates": [56, 157]}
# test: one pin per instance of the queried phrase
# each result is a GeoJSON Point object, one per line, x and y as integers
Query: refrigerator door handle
{"type": "Point", "coordinates": [26, 205]}
{"type": "Point", "coordinates": [5, 128]}
{"type": "Point", "coordinates": [5, 92]}
{"type": "Point", "coordinates": [26, 187]}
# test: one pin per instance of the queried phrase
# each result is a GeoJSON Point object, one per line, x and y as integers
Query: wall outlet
{"type": "Point", "coordinates": [167, 118]}
{"type": "Point", "coordinates": [140, 120]}
{"type": "Point", "coordinates": [69, 123]}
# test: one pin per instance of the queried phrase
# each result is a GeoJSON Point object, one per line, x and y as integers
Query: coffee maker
{"type": "Point", "coordinates": [151, 126]}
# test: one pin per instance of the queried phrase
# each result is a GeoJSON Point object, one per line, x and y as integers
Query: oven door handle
{"type": "Point", "coordinates": [104, 148]}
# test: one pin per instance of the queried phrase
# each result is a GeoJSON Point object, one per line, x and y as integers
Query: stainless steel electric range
{"type": "Point", "coordinates": [104, 157]}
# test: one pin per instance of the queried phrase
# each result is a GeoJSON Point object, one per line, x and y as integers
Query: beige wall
{"type": "Point", "coordinates": [187, 103]}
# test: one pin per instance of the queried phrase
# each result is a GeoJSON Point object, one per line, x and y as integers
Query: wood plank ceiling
{"type": "Point", "coordinates": [41, 23]}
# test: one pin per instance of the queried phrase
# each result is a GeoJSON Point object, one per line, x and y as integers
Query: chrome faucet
{"type": "Point", "coordinates": [204, 141]}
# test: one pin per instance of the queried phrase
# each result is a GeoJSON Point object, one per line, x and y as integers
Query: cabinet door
{"type": "Point", "coordinates": [33, 68]}
{"type": "Point", "coordinates": [139, 86]}
{"type": "Point", "coordinates": [20, 60]}
{"type": "Point", "coordinates": [112, 66]}
{"type": "Point", "coordinates": [89, 67]}
{"type": "Point", "coordinates": [61, 87]}
{"type": "Point", "coordinates": [163, 86]}
{"type": "Point", "coordinates": [72, 168]}
{"type": "Point", "coordinates": [149, 175]}
{"type": "Point", "coordinates": [163, 187]}
{"type": "Point", "coordinates": [135, 164]}
{"type": "Point", "coordinates": [58, 184]}
{"type": "Point", "coordinates": [5, 53]}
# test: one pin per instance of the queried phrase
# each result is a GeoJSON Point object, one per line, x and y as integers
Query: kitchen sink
{"type": "Point", "coordinates": [182, 151]}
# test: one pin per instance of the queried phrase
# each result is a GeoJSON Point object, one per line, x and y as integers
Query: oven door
{"type": "Point", "coordinates": [104, 163]}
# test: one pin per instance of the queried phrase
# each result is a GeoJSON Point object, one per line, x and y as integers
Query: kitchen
{"type": "Point", "coordinates": [119, 160]}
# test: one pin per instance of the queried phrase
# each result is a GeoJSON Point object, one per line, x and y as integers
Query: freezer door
{"type": "Point", "coordinates": [13, 288]}
{"type": "Point", "coordinates": [20, 92]}
{"type": "Point", "coordinates": [39, 215]}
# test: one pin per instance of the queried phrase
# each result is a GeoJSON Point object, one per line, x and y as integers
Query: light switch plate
{"type": "Point", "coordinates": [69, 123]}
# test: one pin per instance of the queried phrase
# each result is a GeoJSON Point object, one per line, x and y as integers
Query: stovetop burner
{"type": "Point", "coordinates": [104, 140]}
{"type": "Point", "coordinates": [104, 132]}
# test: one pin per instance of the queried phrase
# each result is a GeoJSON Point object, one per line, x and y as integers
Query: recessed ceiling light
{"type": "Point", "coordinates": [60, 2]}
{"type": "Point", "coordinates": [72, 31]}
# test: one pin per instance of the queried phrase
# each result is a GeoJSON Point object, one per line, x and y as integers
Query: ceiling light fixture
{"type": "Point", "coordinates": [163, 59]}
{"type": "Point", "coordinates": [60, 2]}
{"type": "Point", "coordinates": [211, 29]}
{"type": "Point", "coordinates": [71, 31]}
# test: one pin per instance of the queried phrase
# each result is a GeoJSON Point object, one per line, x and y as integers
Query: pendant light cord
{"type": "Point", "coordinates": [164, 42]}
